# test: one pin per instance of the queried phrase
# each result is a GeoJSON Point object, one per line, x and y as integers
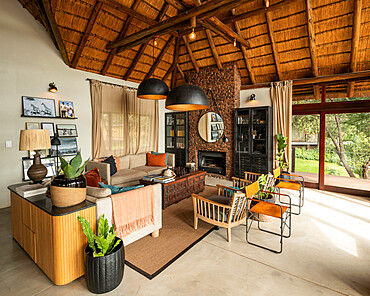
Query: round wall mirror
{"type": "Point", "coordinates": [210, 127]}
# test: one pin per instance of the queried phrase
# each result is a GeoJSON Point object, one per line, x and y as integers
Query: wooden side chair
{"type": "Point", "coordinates": [296, 183]}
{"type": "Point", "coordinates": [259, 207]}
{"type": "Point", "coordinates": [226, 209]}
{"type": "Point", "coordinates": [240, 183]}
{"type": "Point", "coordinates": [252, 177]}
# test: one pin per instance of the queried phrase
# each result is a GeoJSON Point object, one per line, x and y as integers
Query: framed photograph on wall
{"type": "Point", "coordinates": [66, 109]}
{"type": "Point", "coordinates": [66, 130]}
{"type": "Point", "coordinates": [68, 146]}
{"type": "Point", "coordinates": [32, 125]}
{"type": "Point", "coordinates": [48, 162]}
{"type": "Point", "coordinates": [48, 126]}
{"type": "Point", "coordinates": [38, 107]}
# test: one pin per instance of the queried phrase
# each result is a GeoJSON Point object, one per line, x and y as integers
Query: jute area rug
{"type": "Point", "coordinates": [150, 256]}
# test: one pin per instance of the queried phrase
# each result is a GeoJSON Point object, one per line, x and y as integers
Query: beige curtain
{"type": "Point", "coordinates": [281, 98]}
{"type": "Point", "coordinates": [122, 123]}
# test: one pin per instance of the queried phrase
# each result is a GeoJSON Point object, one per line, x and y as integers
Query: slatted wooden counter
{"type": "Point", "coordinates": [51, 236]}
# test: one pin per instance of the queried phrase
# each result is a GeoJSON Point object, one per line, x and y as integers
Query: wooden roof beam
{"type": "Point", "coordinates": [273, 45]}
{"type": "Point", "coordinates": [258, 11]}
{"type": "Point", "coordinates": [355, 76]}
{"type": "Point", "coordinates": [356, 30]}
{"type": "Point", "coordinates": [312, 46]}
{"type": "Point", "coordinates": [175, 62]}
{"type": "Point", "coordinates": [143, 46]}
{"type": "Point", "coordinates": [135, 61]}
{"type": "Point", "coordinates": [169, 71]}
{"type": "Point", "coordinates": [203, 11]}
{"type": "Point", "coordinates": [180, 71]}
{"type": "Point", "coordinates": [213, 49]}
{"type": "Point", "coordinates": [177, 4]}
{"type": "Point", "coordinates": [123, 32]}
{"type": "Point", "coordinates": [245, 54]}
{"type": "Point", "coordinates": [159, 58]}
{"type": "Point", "coordinates": [86, 34]}
{"type": "Point", "coordinates": [191, 55]}
{"type": "Point", "coordinates": [56, 32]}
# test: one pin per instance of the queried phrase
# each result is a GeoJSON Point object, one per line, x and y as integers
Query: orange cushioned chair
{"type": "Point", "coordinates": [296, 183]}
{"type": "Point", "coordinates": [260, 207]}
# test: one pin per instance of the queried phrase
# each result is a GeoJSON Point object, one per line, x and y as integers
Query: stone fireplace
{"type": "Point", "coordinates": [225, 84]}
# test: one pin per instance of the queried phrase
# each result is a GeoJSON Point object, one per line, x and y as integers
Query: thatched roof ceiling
{"type": "Point", "coordinates": [289, 40]}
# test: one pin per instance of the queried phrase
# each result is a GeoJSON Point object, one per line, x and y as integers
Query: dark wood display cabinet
{"type": "Point", "coordinates": [177, 139]}
{"type": "Point", "coordinates": [253, 140]}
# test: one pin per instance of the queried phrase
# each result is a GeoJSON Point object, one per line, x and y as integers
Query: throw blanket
{"type": "Point", "coordinates": [132, 210]}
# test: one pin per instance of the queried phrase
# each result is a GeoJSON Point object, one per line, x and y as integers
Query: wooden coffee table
{"type": "Point", "coordinates": [181, 188]}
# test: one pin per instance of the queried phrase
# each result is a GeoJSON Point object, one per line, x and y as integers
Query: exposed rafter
{"type": "Point", "coordinates": [123, 32]}
{"type": "Point", "coordinates": [135, 61]}
{"type": "Point", "coordinates": [56, 32]}
{"type": "Point", "coordinates": [202, 12]}
{"type": "Point", "coordinates": [85, 36]}
{"type": "Point", "coordinates": [245, 54]}
{"type": "Point", "coordinates": [180, 71]}
{"type": "Point", "coordinates": [143, 46]}
{"type": "Point", "coordinates": [175, 62]}
{"type": "Point", "coordinates": [213, 49]}
{"type": "Point", "coordinates": [355, 43]}
{"type": "Point", "coordinates": [160, 57]}
{"type": "Point", "coordinates": [191, 55]}
{"type": "Point", "coordinates": [273, 45]}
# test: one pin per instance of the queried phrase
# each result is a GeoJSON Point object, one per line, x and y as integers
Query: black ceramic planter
{"type": "Point", "coordinates": [103, 274]}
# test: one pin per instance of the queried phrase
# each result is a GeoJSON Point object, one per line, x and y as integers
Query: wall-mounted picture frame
{"type": "Point", "coordinates": [38, 107]}
{"type": "Point", "coordinates": [48, 126]}
{"type": "Point", "coordinates": [66, 130]}
{"type": "Point", "coordinates": [43, 153]}
{"type": "Point", "coordinates": [68, 146]}
{"type": "Point", "coordinates": [48, 162]}
{"type": "Point", "coordinates": [66, 109]}
{"type": "Point", "coordinates": [32, 125]}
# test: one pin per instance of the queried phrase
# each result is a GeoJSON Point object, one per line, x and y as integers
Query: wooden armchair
{"type": "Point", "coordinates": [240, 183]}
{"type": "Point", "coordinates": [226, 209]}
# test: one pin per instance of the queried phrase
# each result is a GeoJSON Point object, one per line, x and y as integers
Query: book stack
{"type": "Point", "coordinates": [158, 178]}
{"type": "Point", "coordinates": [31, 190]}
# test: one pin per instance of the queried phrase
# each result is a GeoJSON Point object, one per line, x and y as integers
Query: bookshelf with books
{"type": "Point", "coordinates": [176, 125]}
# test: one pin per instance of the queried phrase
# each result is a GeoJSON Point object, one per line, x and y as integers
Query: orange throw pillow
{"type": "Point", "coordinates": [156, 160]}
{"type": "Point", "coordinates": [93, 178]}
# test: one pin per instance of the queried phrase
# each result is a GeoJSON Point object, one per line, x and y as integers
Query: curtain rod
{"type": "Point", "coordinates": [115, 84]}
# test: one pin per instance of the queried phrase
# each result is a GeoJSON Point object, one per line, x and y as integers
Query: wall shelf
{"type": "Point", "coordinates": [47, 117]}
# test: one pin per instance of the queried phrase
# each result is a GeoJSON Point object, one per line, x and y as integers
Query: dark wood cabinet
{"type": "Point", "coordinates": [177, 139]}
{"type": "Point", "coordinates": [253, 140]}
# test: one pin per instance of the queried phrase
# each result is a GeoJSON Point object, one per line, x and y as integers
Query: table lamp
{"type": "Point", "coordinates": [35, 140]}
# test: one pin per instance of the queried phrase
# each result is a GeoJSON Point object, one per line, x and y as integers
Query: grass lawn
{"type": "Point", "coordinates": [312, 166]}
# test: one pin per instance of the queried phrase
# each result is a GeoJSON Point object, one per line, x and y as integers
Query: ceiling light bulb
{"type": "Point", "coordinates": [235, 42]}
{"type": "Point", "coordinates": [267, 3]}
{"type": "Point", "coordinates": [155, 42]}
{"type": "Point", "coordinates": [192, 34]}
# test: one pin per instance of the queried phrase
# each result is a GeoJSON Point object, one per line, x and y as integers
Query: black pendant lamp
{"type": "Point", "coordinates": [187, 97]}
{"type": "Point", "coordinates": [152, 88]}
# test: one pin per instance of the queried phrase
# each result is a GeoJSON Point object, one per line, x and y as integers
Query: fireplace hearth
{"type": "Point", "coordinates": [212, 162]}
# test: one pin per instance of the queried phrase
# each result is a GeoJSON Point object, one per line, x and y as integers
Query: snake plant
{"type": "Point", "coordinates": [72, 169]}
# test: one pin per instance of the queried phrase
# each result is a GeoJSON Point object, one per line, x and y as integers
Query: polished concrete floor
{"type": "Point", "coordinates": [328, 254]}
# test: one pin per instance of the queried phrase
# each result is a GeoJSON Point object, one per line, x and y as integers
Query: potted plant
{"type": "Point", "coordinates": [104, 257]}
{"type": "Point", "coordinates": [269, 197]}
{"type": "Point", "coordinates": [280, 156]}
{"type": "Point", "coordinates": [69, 189]}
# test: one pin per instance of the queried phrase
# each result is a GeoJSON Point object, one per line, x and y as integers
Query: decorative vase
{"type": "Point", "coordinates": [67, 192]}
{"type": "Point", "coordinates": [103, 274]}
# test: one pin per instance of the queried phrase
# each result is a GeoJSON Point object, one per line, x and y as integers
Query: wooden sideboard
{"type": "Point", "coordinates": [51, 236]}
{"type": "Point", "coordinates": [181, 188]}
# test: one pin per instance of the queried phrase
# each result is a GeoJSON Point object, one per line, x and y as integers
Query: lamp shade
{"type": "Point", "coordinates": [34, 140]}
{"type": "Point", "coordinates": [187, 97]}
{"type": "Point", "coordinates": [55, 141]}
{"type": "Point", "coordinates": [152, 89]}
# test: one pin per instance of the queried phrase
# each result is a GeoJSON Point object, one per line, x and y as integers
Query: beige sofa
{"type": "Point", "coordinates": [133, 168]}
{"type": "Point", "coordinates": [101, 197]}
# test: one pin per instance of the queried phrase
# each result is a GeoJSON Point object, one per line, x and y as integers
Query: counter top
{"type": "Point", "coordinates": [44, 203]}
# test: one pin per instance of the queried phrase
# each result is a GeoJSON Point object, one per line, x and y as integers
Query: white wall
{"type": "Point", "coordinates": [262, 97]}
{"type": "Point", "coordinates": [29, 61]}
